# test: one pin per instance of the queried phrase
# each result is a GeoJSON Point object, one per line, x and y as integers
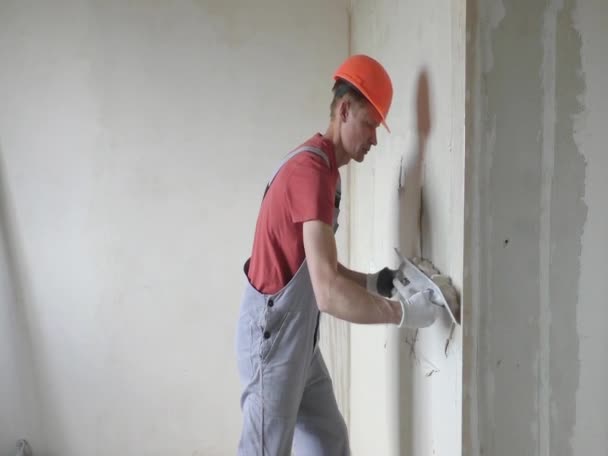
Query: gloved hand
{"type": "Point", "coordinates": [442, 281]}
{"type": "Point", "coordinates": [418, 311]}
{"type": "Point", "coordinates": [381, 282]}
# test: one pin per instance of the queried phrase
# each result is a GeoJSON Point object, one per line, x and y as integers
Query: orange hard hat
{"type": "Point", "coordinates": [371, 79]}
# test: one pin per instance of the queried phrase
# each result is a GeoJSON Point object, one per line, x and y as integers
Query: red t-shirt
{"type": "Point", "coordinates": [303, 190]}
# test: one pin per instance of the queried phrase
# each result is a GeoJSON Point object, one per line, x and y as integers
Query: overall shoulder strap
{"type": "Point", "coordinates": [293, 153]}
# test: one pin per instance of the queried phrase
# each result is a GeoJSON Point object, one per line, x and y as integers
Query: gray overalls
{"type": "Point", "coordinates": [287, 391]}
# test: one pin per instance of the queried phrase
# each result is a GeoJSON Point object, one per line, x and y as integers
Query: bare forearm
{"type": "Point", "coordinates": [339, 291]}
{"type": "Point", "coordinates": [346, 300]}
{"type": "Point", "coordinates": [358, 277]}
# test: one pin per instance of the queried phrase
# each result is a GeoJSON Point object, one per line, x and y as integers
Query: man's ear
{"type": "Point", "coordinates": [344, 109]}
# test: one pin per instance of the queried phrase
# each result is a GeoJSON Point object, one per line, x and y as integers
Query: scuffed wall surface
{"type": "Point", "coordinates": [136, 139]}
{"type": "Point", "coordinates": [406, 386]}
{"type": "Point", "coordinates": [537, 229]}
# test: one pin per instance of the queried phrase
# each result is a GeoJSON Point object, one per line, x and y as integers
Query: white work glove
{"type": "Point", "coordinates": [442, 281]}
{"type": "Point", "coordinates": [418, 311]}
{"type": "Point", "coordinates": [381, 282]}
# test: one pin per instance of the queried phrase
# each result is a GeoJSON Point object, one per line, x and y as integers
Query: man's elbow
{"type": "Point", "coordinates": [324, 292]}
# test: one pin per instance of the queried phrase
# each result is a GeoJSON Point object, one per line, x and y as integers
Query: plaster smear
{"type": "Point", "coordinates": [510, 166]}
{"type": "Point", "coordinates": [567, 215]}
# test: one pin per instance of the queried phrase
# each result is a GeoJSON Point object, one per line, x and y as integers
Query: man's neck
{"type": "Point", "coordinates": [333, 134]}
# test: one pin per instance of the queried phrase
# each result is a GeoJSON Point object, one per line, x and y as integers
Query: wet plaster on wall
{"type": "Point", "coordinates": [532, 215]}
{"type": "Point", "coordinates": [511, 157]}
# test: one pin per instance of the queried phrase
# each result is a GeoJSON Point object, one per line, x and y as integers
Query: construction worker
{"type": "Point", "coordinates": [293, 275]}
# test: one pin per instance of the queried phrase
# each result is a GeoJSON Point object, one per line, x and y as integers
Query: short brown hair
{"type": "Point", "coordinates": [341, 89]}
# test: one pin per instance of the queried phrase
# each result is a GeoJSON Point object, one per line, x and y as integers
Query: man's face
{"type": "Point", "coordinates": [359, 129]}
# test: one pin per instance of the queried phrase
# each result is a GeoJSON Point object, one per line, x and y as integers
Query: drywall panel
{"type": "Point", "coordinates": [537, 229]}
{"type": "Point", "coordinates": [136, 139]}
{"type": "Point", "coordinates": [406, 385]}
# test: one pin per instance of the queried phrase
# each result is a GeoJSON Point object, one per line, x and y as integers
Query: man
{"type": "Point", "coordinates": [293, 275]}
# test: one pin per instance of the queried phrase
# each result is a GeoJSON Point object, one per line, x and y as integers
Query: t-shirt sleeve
{"type": "Point", "coordinates": [310, 192]}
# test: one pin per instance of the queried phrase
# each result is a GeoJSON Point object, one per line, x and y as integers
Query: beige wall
{"type": "Point", "coordinates": [405, 387]}
{"type": "Point", "coordinates": [124, 131]}
{"type": "Point", "coordinates": [135, 142]}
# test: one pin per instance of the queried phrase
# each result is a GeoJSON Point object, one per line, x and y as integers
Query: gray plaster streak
{"type": "Point", "coordinates": [548, 164]}
{"type": "Point", "coordinates": [509, 345]}
{"type": "Point", "coordinates": [568, 215]}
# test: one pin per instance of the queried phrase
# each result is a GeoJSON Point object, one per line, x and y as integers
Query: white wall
{"type": "Point", "coordinates": [405, 387]}
{"type": "Point", "coordinates": [535, 358]}
{"type": "Point", "coordinates": [19, 392]}
{"type": "Point", "coordinates": [135, 141]}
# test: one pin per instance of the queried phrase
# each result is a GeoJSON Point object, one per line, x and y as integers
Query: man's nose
{"type": "Point", "coordinates": [374, 139]}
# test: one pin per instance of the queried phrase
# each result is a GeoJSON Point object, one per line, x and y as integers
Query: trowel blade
{"type": "Point", "coordinates": [418, 280]}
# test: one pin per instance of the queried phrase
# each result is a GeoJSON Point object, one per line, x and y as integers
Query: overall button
{"type": "Point", "coordinates": [270, 303]}
{"type": "Point", "coordinates": [266, 335]}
